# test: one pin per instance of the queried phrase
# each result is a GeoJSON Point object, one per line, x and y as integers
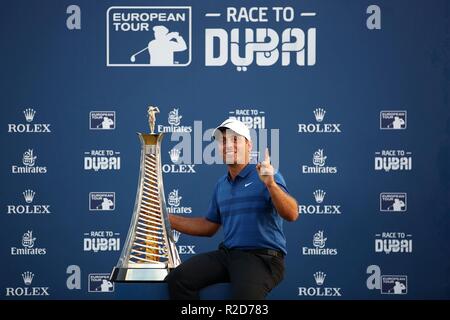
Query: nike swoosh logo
{"type": "Point", "coordinates": [247, 184]}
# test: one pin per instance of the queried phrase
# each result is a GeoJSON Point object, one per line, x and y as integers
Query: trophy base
{"type": "Point", "coordinates": [138, 274]}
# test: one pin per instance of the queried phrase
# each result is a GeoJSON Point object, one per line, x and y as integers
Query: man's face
{"type": "Point", "coordinates": [235, 149]}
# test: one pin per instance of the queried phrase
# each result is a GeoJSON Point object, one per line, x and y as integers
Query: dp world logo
{"type": "Point", "coordinates": [148, 36]}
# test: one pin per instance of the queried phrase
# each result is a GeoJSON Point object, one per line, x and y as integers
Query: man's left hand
{"type": "Point", "coordinates": [265, 170]}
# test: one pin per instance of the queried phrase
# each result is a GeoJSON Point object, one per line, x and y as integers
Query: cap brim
{"type": "Point", "coordinates": [217, 130]}
{"type": "Point", "coordinates": [230, 125]}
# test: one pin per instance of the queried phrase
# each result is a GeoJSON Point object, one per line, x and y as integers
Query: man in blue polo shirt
{"type": "Point", "coordinates": [250, 203]}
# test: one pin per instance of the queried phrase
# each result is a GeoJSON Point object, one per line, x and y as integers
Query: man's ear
{"type": "Point", "coordinates": [250, 145]}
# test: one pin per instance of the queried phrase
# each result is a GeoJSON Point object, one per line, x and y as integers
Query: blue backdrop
{"type": "Point", "coordinates": [371, 63]}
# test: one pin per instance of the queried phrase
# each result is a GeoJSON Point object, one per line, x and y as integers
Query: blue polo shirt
{"type": "Point", "coordinates": [245, 210]}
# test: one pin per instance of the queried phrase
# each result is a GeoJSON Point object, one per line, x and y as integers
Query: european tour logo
{"type": "Point", "coordinates": [150, 36]}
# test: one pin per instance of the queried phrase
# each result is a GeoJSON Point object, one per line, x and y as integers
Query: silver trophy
{"type": "Point", "coordinates": [149, 252]}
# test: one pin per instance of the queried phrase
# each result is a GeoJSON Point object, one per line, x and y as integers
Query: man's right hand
{"type": "Point", "coordinates": [194, 226]}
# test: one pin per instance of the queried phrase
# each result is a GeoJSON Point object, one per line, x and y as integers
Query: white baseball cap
{"type": "Point", "coordinates": [233, 124]}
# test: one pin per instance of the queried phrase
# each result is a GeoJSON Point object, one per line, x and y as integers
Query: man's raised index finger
{"type": "Point", "coordinates": [267, 156]}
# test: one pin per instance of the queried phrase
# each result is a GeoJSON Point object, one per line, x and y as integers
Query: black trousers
{"type": "Point", "coordinates": [252, 275]}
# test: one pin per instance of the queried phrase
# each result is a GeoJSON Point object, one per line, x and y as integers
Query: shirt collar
{"type": "Point", "coordinates": [244, 172]}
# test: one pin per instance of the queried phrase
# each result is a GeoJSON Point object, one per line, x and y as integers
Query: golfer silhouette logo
{"type": "Point", "coordinates": [106, 123]}
{"type": "Point", "coordinates": [398, 123]}
{"type": "Point", "coordinates": [161, 50]}
{"type": "Point", "coordinates": [399, 288]}
{"type": "Point", "coordinates": [106, 286]}
{"type": "Point", "coordinates": [107, 204]}
{"type": "Point", "coordinates": [398, 205]}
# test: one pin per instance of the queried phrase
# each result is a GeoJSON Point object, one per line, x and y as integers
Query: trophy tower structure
{"type": "Point", "coordinates": [149, 252]}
